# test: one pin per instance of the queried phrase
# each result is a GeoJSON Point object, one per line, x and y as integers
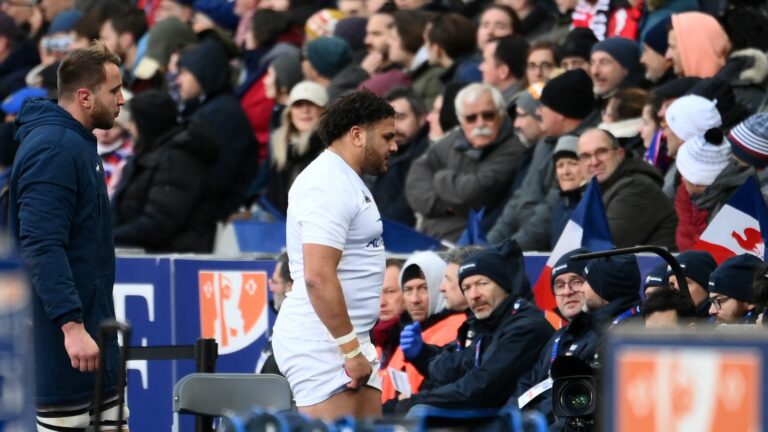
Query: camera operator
{"type": "Point", "coordinates": [608, 291]}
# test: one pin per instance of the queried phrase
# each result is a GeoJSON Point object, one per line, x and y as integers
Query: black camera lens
{"type": "Point", "coordinates": [577, 398]}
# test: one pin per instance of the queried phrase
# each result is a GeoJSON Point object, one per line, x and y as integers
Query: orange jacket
{"type": "Point", "coordinates": [441, 333]}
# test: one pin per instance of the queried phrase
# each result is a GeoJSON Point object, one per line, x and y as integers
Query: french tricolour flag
{"type": "Point", "coordinates": [739, 227]}
{"type": "Point", "coordinates": [588, 227]}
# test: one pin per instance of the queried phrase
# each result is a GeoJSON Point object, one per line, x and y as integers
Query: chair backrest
{"type": "Point", "coordinates": [213, 394]}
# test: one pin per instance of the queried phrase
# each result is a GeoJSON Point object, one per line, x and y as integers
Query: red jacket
{"type": "Point", "coordinates": [258, 108]}
{"type": "Point", "coordinates": [691, 220]}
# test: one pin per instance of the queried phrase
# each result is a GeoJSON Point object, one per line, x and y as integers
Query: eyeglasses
{"type": "Point", "coordinates": [574, 284]}
{"type": "Point", "coordinates": [486, 115]}
{"type": "Point", "coordinates": [717, 302]}
{"type": "Point", "coordinates": [544, 66]}
{"type": "Point", "coordinates": [600, 154]}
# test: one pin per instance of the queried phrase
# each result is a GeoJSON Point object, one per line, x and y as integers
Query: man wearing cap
{"type": "Point", "coordinates": [697, 266]}
{"type": "Point", "coordinates": [655, 279]}
{"type": "Point", "coordinates": [565, 103]}
{"type": "Point", "coordinates": [614, 63]}
{"type": "Point", "coordinates": [576, 50]}
{"type": "Point", "coordinates": [527, 119]}
{"type": "Point", "coordinates": [561, 202]}
{"type": "Point", "coordinates": [730, 290]}
{"type": "Point", "coordinates": [510, 332]}
{"type": "Point", "coordinates": [638, 212]}
{"type": "Point", "coordinates": [534, 390]}
{"type": "Point", "coordinates": [470, 168]}
{"type": "Point", "coordinates": [658, 69]}
{"type": "Point", "coordinates": [503, 65]}
{"type": "Point", "coordinates": [431, 324]}
{"type": "Point", "coordinates": [324, 58]}
{"type": "Point", "coordinates": [204, 87]}
{"type": "Point", "coordinates": [749, 144]}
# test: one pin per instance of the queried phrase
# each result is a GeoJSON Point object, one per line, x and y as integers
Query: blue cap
{"type": "Point", "coordinates": [734, 277]}
{"type": "Point", "coordinates": [656, 36]}
{"type": "Point", "coordinates": [657, 277]}
{"type": "Point", "coordinates": [12, 104]}
{"type": "Point", "coordinates": [65, 21]}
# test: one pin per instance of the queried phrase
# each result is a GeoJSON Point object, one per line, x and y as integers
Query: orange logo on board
{"type": "Point", "coordinates": [233, 308]}
{"type": "Point", "coordinates": [688, 389]}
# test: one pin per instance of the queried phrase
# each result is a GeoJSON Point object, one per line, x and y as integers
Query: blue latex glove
{"type": "Point", "coordinates": [411, 341]}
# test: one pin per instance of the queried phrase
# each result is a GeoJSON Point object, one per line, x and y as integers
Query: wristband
{"type": "Point", "coordinates": [352, 354]}
{"type": "Point", "coordinates": [346, 338]}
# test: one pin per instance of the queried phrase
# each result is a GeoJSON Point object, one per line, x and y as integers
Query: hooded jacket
{"type": "Point", "coordinates": [746, 71]}
{"type": "Point", "coordinates": [438, 329]}
{"type": "Point", "coordinates": [638, 211]}
{"type": "Point", "coordinates": [165, 200]}
{"type": "Point", "coordinates": [702, 43]}
{"type": "Point", "coordinates": [59, 217]}
{"type": "Point", "coordinates": [452, 177]}
{"type": "Point", "coordinates": [220, 113]}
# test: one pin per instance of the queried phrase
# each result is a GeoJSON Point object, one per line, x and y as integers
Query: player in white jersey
{"type": "Point", "coordinates": [337, 262]}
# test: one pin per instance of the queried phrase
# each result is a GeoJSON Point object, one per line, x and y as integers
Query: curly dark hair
{"type": "Point", "coordinates": [361, 108]}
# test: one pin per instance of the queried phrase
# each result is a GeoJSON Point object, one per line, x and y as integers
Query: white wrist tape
{"type": "Point", "coordinates": [352, 354]}
{"type": "Point", "coordinates": [346, 338]}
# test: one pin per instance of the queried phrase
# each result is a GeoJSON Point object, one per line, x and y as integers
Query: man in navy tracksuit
{"type": "Point", "coordinates": [59, 216]}
{"type": "Point", "coordinates": [610, 292]}
{"type": "Point", "coordinates": [510, 332]}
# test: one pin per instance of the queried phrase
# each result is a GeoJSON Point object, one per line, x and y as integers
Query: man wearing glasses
{"type": "Point", "coordinates": [637, 209]}
{"type": "Point", "coordinates": [730, 290]}
{"type": "Point", "coordinates": [470, 168]}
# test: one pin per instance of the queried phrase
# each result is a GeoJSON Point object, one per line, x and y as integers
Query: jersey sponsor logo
{"type": "Point", "coordinates": [376, 243]}
{"type": "Point", "coordinates": [233, 307]}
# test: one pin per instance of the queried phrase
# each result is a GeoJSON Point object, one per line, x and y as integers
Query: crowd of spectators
{"type": "Point", "coordinates": [509, 107]}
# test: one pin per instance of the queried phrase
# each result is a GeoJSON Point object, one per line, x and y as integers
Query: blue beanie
{"type": "Point", "coordinates": [734, 277]}
{"type": "Point", "coordinates": [12, 104]}
{"type": "Point", "coordinates": [566, 265]}
{"type": "Point", "coordinates": [65, 21]}
{"type": "Point", "coordinates": [657, 277]}
{"type": "Point", "coordinates": [328, 55]}
{"type": "Point", "coordinates": [614, 277]}
{"type": "Point", "coordinates": [624, 50]}
{"type": "Point", "coordinates": [656, 36]}
{"type": "Point", "coordinates": [697, 265]}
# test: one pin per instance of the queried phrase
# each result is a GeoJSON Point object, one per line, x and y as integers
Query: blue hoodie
{"type": "Point", "coordinates": [60, 218]}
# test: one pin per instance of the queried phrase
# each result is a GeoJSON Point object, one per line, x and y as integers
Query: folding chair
{"type": "Point", "coordinates": [214, 394]}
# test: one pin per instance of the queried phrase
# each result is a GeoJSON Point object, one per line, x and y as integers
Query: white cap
{"type": "Point", "coordinates": [692, 115]}
{"type": "Point", "coordinates": [308, 91]}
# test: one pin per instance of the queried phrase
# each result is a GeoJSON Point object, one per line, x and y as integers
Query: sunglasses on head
{"type": "Point", "coordinates": [486, 115]}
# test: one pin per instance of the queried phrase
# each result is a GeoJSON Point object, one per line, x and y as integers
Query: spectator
{"type": "Point", "coordinates": [540, 62]}
{"type": "Point", "coordinates": [183, 10]}
{"type": "Point", "coordinates": [749, 146]}
{"type": "Point", "coordinates": [503, 66]}
{"type": "Point", "coordinates": [164, 39]}
{"type": "Point", "coordinates": [570, 185]}
{"type": "Point", "coordinates": [122, 33]}
{"type": "Point", "coordinates": [510, 334]}
{"type": "Point", "coordinates": [697, 267]}
{"type": "Point", "coordinates": [536, 21]}
{"type": "Point", "coordinates": [28, 16]}
{"type": "Point", "coordinates": [688, 117]}
{"type": "Point", "coordinates": [495, 21]}
{"type": "Point", "coordinates": [386, 332]}
{"type": "Point", "coordinates": [527, 119]}
{"type": "Point", "coordinates": [615, 63]}
{"type": "Point", "coordinates": [433, 120]}
{"type": "Point", "coordinates": [622, 117]}
{"type": "Point", "coordinates": [655, 279]}
{"type": "Point", "coordinates": [115, 147]}
{"type": "Point", "coordinates": [449, 44]}
{"type": "Point", "coordinates": [324, 58]}
{"type": "Point", "coordinates": [320, 24]}
{"type": "Point", "coordinates": [352, 30]}
{"type": "Point", "coordinates": [52, 8]}
{"type": "Point", "coordinates": [658, 68]}
{"type": "Point", "coordinates": [469, 168]}
{"type": "Point", "coordinates": [283, 73]}
{"type": "Point", "coordinates": [407, 49]}
{"type": "Point", "coordinates": [707, 186]}
{"type": "Point", "coordinates": [654, 142]}
{"type": "Point", "coordinates": [205, 90]}
{"type": "Point", "coordinates": [665, 308]}
{"type": "Point", "coordinates": [576, 50]}
{"type": "Point", "coordinates": [634, 203]}
{"type": "Point", "coordinates": [411, 133]}
{"type": "Point", "coordinates": [17, 56]}
{"type": "Point", "coordinates": [698, 45]}
{"type": "Point", "coordinates": [158, 206]}
{"type": "Point", "coordinates": [732, 280]}
{"type": "Point", "coordinates": [295, 143]}
{"type": "Point", "coordinates": [427, 322]}
{"type": "Point", "coordinates": [591, 14]}
{"type": "Point", "coordinates": [565, 102]}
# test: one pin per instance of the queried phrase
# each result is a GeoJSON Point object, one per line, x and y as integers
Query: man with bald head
{"type": "Point", "coordinates": [637, 210]}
